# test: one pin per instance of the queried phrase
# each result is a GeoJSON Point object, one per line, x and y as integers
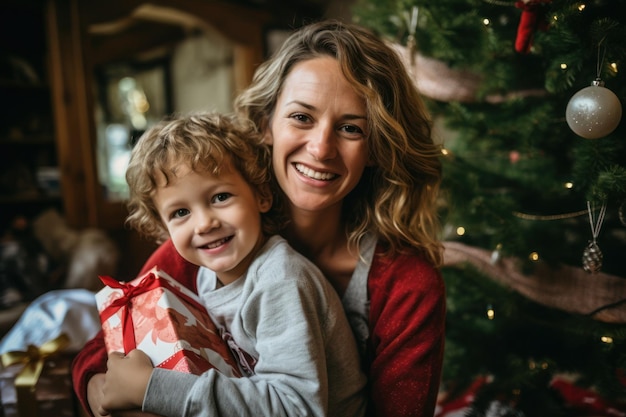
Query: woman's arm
{"type": "Point", "coordinates": [92, 359]}
{"type": "Point", "coordinates": [407, 332]}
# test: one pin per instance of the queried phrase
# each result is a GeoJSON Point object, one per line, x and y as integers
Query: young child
{"type": "Point", "coordinates": [204, 181]}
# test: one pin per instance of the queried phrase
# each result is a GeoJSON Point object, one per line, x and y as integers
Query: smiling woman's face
{"type": "Point", "coordinates": [319, 135]}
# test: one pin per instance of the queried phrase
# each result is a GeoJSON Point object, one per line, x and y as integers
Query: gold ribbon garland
{"type": "Point", "coordinates": [26, 380]}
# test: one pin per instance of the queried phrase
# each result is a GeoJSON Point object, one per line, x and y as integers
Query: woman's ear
{"type": "Point", "coordinates": [268, 138]}
{"type": "Point", "coordinates": [264, 198]}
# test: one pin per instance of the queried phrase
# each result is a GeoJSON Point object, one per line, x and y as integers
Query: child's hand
{"type": "Point", "coordinates": [126, 381]}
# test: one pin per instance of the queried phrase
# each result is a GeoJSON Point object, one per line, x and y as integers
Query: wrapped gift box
{"type": "Point", "coordinates": [52, 391]}
{"type": "Point", "coordinates": [156, 314]}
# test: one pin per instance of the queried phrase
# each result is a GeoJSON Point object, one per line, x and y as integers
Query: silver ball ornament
{"type": "Point", "coordinates": [594, 111]}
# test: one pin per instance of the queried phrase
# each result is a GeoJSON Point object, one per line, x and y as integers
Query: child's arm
{"type": "Point", "coordinates": [91, 360]}
{"type": "Point", "coordinates": [125, 382]}
{"type": "Point", "coordinates": [291, 321]}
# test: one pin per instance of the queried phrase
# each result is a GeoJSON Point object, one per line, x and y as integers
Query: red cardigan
{"type": "Point", "coordinates": [407, 316]}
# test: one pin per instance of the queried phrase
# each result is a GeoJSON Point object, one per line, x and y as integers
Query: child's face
{"type": "Point", "coordinates": [213, 221]}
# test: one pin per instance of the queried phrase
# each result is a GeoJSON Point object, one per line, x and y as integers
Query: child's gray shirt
{"type": "Point", "coordinates": [287, 317]}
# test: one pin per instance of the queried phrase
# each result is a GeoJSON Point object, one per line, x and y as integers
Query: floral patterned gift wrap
{"type": "Point", "coordinates": [156, 314]}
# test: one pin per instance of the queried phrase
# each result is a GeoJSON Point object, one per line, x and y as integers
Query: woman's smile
{"type": "Point", "coordinates": [311, 173]}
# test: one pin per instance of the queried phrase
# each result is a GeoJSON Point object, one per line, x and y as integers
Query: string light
{"type": "Point", "coordinates": [460, 230]}
{"type": "Point", "coordinates": [581, 7]}
{"type": "Point", "coordinates": [534, 256]}
{"type": "Point", "coordinates": [491, 313]}
{"type": "Point", "coordinates": [444, 152]}
{"type": "Point", "coordinates": [486, 22]}
{"type": "Point", "coordinates": [496, 254]}
{"type": "Point", "coordinates": [563, 66]}
{"type": "Point", "coordinates": [613, 66]}
{"type": "Point", "coordinates": [607, 339]}
{"type": "Point", "coordinates": [569, 185]}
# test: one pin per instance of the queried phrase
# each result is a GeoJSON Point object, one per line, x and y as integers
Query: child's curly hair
{"type": "Point", "coordinates": [204, 142]}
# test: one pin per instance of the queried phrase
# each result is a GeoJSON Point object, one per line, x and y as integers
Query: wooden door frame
{"type": "Point", "coordinates": [71, 77]}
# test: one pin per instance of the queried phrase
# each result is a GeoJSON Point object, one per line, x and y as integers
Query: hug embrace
{"type": "Point", "coordinates": [348, 211]}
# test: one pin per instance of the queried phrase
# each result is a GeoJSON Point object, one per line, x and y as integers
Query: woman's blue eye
{"type": "Point", "coordinates": [352, 129]}
{"type": "Point", "coordinates": [301, 117]}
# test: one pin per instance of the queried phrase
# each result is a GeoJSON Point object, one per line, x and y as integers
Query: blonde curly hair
{"type": "Point", "coordinates": [397, 197]}
{"type": "Point", "coordinates": [204, 142]}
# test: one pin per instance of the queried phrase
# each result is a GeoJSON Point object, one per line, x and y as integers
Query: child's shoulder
{"type": "Point", "coordinates": [279, 260]}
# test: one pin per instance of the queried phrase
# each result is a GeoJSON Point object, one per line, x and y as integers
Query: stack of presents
{"type": "Point", "coordinates": [153, 313]}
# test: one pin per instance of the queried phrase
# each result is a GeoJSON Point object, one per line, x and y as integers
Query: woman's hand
{"type": "Point", "coordinates": [125, 382]}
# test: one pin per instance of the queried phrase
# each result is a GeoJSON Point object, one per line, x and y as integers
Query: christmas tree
{"type": "Point", "coordinates": [526, 97]}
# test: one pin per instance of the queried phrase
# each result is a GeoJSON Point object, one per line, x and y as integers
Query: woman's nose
{"type": "Point", "coordinates": [322, 143]}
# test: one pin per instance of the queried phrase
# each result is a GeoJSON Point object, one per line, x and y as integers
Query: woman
{"type": "Point", "coordinates": [354, 157]}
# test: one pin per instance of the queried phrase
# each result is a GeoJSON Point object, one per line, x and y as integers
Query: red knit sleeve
{"type": "Point", "coordinates": [407, 325]}
{"type": "Point", "coordinates": [92, 358]}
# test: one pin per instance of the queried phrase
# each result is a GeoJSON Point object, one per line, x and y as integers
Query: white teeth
{"type": "Point", "coordinates": [324, 176]}
{"type": "Point", "coordinates": [217, 243]}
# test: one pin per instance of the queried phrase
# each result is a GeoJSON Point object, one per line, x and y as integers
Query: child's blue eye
{"type": "Point", "coordinates": [180, 213]}
{"type": "Point", "coordinates": [221, 197]}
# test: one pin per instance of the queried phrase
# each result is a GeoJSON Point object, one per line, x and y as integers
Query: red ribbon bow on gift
{"type": "Point", "coordinates": [129, 291]}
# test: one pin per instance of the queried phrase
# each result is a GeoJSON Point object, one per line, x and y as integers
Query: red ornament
{"type": "Point", "coordinates": [533, 18]}
{"type": "Point", "coordinates": [621, 376]}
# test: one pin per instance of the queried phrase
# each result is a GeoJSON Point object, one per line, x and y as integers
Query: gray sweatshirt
{"type": "Point", "coordinates": [291, 325]}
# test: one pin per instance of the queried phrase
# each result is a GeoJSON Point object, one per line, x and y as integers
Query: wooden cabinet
{"type": "Point", "coordinates": [29, 174]}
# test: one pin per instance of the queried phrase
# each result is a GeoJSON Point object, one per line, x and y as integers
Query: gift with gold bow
{"type": "Point", "coordinates": [37, 382]}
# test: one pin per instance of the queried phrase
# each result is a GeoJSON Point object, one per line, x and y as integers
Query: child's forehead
{"type": "Point", "coordinates": [180, 166]}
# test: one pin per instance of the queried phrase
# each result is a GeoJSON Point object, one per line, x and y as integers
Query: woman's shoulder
{"type": "Point", "coordinates": [408, 269]}
{"type": "Point", "coordinates": [281, 267]}
{"type": "Point", "coordinates": [279, 256]}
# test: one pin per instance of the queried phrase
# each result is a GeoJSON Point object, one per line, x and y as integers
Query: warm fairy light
{"type": "Point", "coordinates": [563, 66]}
{"type": "Point", "coordinates": [607, 339]}
{"type": "Point", "coordinates": [544, 365]}
{"type": "Point", "coordinates": [445, 152]}
{"type": "Point", "coordinates": [569, 185]}
{"type": "Point", "coordinates": [534, 256]}
{"type": "Point", "coordinates": [555, 18]}
{"type": "Point", "coordinates": [581, 7]}
{"type": "Point", "coordinates": [613, 66]}
{"type": "Point", "coordinates": [491, 313]}
{"type": "Point", "coordinates": [460, 230]}
{"type": "Point", "coordinates": [486, 22]}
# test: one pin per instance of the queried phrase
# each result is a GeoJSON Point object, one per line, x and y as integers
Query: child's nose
{"type": "Point", "coordinates": [206, 222]}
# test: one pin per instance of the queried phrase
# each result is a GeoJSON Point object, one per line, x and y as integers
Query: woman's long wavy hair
{"type": "Point", "coordinates": [203, 142]}
{"type": "Point", "coordinates": [396, 197]}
